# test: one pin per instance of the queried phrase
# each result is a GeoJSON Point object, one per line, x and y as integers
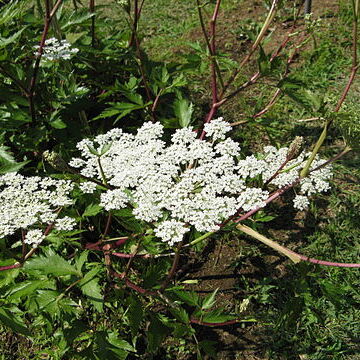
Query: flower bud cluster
{"type": "Point", "coordinates": [189, 182]}
{"type": "Point", "coordinates": [57, 50]}
{"type": "Point", "coordinates": [29, 202]}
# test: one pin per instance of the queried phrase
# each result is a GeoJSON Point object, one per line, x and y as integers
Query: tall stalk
{"type": "Point", "coordinates": [49, 15]}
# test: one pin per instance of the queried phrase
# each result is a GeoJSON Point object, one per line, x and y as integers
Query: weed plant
{"type": "Point", "coordinates": [108, 287]}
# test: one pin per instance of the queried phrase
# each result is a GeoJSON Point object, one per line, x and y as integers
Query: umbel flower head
{"type": "Point", "coordinates": [187, 183]}
{"type": "Point", "coordinates": [28, 203]}
{"type": "Point", "coordinates": [55, 49]}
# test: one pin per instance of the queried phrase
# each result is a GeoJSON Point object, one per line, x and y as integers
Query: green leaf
{"type": "Point", "coordinates": [90, 287]}
{"type": "Point", "coordinates": [73, 37]}
{"type": "Point", "coordinates": [120, 109]}
{"type": "Point", "coordinates": [216, 316]}
{"type": "Point", "coordinates": [92, 210]}
{"type": "Point", "coordinates": [76, 18]}
{"type": "Point", "coordinates": [8, 163]}
{"type": "Point", "coordinates": [263, 62]}
{"type": "Point", "coordinates": [12, 10]}
{"type": "Point", "coordinates": [53, 264]}
{"type": "Point", "coordinates": [26, 288]}
{"type": "Point", "coordinates": [92, 150]}
{"type": "Point", "coordinates": [6, 41]}
{"type": "Point", "coordinates": [58, 124]}
{"type": "Point", "coordinates": [183, 110]}
{"type": "Point", "coordinates": [81, 259]}
{"type": "Point", "coordinates": [131, 224]}
{"type": "Point", "coordinates": [209, 347]}
{"type": "Point", "coordinates": [189, 297]}
{"type": "Point", "coordinates": [13, 322]}
{"type": "Point", "coordinates": [156, 334]}
{"type": "Point", "coordinates": [114, 340]}
{"type": "Point", "coordinates": [209, 301]}
{"type": "Point", "coordinates": [135, 314]}
{"type": "Point", "coordinates": [182, 331]}
{"type": "Point", "coordinates": [105, 148]}
{"type": "Point", "coordinates": [135, 98]}
{"type": "Point", "coordinates": [180, 314]}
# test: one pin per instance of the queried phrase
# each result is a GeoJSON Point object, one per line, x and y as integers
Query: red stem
{"type": "Point", "coordinates": [204, 323]}
{"type": "Point", "coordinates": [31, 91]}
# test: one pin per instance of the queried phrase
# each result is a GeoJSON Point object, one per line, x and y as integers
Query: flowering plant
{"type": "Point", "coordinates": [94, 251]}
{"type": "Point", "coordinates": [191, 182]}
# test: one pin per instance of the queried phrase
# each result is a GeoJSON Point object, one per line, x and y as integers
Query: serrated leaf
{"type": "Point", "coordinates": [51, 265]}
{"type": "Point", "coordinates": [14, 323]}
{"type": "Point", "coordinates": [135, 98]}
{"type": "Point", "coordinates": [156, 333]}
{"type": "Point", "coordinates": [8, 163]}
{"type": "Point", "coordinates": [183, 110]}
{"type": "Point", "coordinates": [7, 41]}
{"type": "Point", "coordinates": [92, 210]}
{"type": "Point", "coordinates": [209, 301]}
{"type": "Point", "coordinates": [90, 287]}
{"type": "Point", "coordinates": [135, 314]}
{"type": "Point", "coordinates": [180, 314]}
{"type": "Point", "coordinates": [25, 288]}
{"type": "Point", "coordinates": [190, 298]}
{"type": "Point", "coordinates": [217, 316]}
{"type": "Point", "coordinates": [209, 347]}
{"type": "Point", "coordinates": [80, 261]}
{"type": "Point", "coordinates": [114, 340]}
{"type": "Point", "coordinates": [76, 18]}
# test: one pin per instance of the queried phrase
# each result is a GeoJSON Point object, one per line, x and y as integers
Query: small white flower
{"type": "Point", "coordinates": [114, 200]}
{"type": "Point", "coordinates": [87, 187]}
{"type": "Point", "coordinates": [26, 202]}
{"type": "Point", "coordinates": [217, 128]}
{"type": "Point", "coordinates": [171, 231]}
{"type": "Point", "coordinates": [55, 50]}
{"type": "Point", "coordinates": [34, 238]}
{"type": "Point", "coordinates": [66, 223]}
{"type": "Point", "coordinates": [301, 202]}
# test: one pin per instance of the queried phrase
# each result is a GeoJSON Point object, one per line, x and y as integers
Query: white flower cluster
{"type": "Point", "coordinates": [57, 50]}
{"type": "Point", "coordinates": [190, 182]}
{"type": "Point", "coordinates": [27, 202]}
{"type": "Point", "coordinates": [272, 160]}
{"type": "Point", "coordinates": [315, 182]}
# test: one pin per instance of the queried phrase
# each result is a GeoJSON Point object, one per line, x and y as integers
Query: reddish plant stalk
{"type": "Point", "coordinates": [49, 14]}
{"type": "Point", "coordinates": [133, 286]}
{"type": "Point", "coordinates": [97, 245]}
{"type": "Point", "coordinates": [224, 323]}
{"type": "Point", "coordinates": [173, 268]}
{"type": "Point", "coordinates": [213, 52]}
{"type": "Point", "coordinates": [29, 254]}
